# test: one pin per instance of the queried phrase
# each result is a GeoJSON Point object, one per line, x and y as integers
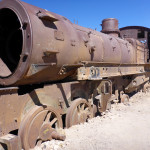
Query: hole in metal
{"type": "Point", "coordinates": [11, 41]}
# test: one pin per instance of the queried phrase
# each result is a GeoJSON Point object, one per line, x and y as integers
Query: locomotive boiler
{"type": "Point", "coordinates": [55, 74]}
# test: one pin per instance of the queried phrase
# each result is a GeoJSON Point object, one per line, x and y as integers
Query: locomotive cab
{"type": "Point", "coordinates": [140, 33]}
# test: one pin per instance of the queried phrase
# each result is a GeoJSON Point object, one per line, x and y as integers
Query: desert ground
{"type": "Point", "coordinates": [124, 127]}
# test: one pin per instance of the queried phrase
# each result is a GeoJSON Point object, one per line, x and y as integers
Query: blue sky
{"type": "Point", "coordinates": [90, 13]}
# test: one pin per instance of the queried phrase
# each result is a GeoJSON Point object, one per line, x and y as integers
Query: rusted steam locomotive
{"type": "Point", "coordinates": [56, 74]}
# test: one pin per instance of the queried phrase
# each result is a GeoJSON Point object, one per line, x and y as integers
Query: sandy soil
{"type": "Point", "coordinates": [123, 128]}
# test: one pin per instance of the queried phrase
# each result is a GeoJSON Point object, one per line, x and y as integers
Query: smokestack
{"type": "Point", "coordinates": [110, 26]}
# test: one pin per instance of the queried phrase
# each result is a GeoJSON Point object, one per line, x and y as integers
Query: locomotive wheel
{"type": "Point", "coordinates": [125, 99]}
{"type": "Point", "coordinates": [40, 125]}
{"type": "Point", "coordinates": [79, 112]}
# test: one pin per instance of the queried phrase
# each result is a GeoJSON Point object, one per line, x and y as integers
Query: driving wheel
{"type": "Point", "coordinates": [79, 112]}
{"type": "Point", "coordinates": [40, 125]}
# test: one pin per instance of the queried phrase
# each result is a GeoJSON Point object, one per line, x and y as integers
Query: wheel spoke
{"type": "Point", "coordinates": [87, 109]}
{"type": "Point", "coordinates": [53, 121]}
{"type": "Point", "coordinates": [78, 108]}
{"type": "Point", "coordinates": [82, 107]}
{"type": "Point", "coordinates": [47, 119]}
